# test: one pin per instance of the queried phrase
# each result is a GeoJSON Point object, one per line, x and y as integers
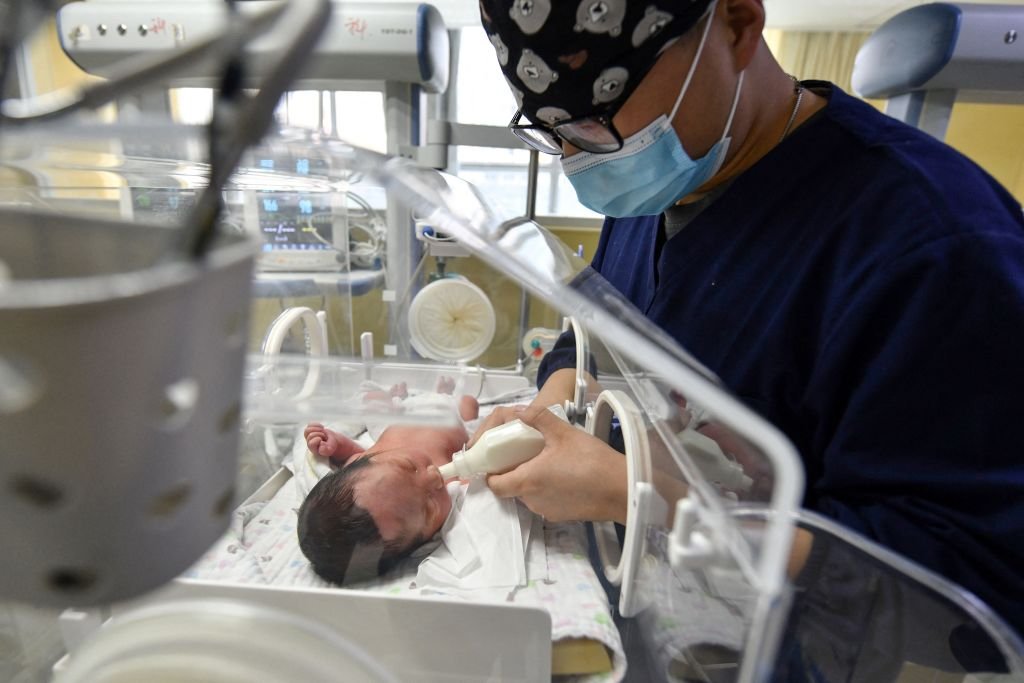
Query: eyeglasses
{"type": "Point", "coordinates": [595, 134]}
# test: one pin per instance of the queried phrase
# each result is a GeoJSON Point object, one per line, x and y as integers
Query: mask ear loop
{"type": "Point", "coordinates": [693, 69]}
{"type": "Point", "coordinates": [735, 104]}
{"type": "Point", "coordinates": [696, 60]}
{"type": "Point", "coordinates": [728, 126]}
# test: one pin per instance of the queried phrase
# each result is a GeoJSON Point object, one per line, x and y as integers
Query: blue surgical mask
{"type": "Point", "coordinates": [652, 171]}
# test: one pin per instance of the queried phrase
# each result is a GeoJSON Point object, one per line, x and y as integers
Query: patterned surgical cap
{"type": "Point", "coordinates": [569, 58]}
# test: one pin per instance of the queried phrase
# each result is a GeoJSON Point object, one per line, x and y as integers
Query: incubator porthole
{"type": "Point", "coordinates": [167, 503]}
{"type": "Point", "coordinates": [37, 492]}
{"type": "Point", "coordinates": [68, 580]}
{"type": "Point", "coordinates": [229, 419]}
{"type": "Point", "coordinates": [179, 400]}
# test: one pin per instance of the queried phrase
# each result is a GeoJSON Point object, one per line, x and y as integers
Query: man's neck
{"type": "Point", "coordinates": [771, 111]}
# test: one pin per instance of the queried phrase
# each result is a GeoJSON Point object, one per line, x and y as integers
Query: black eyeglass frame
{"type": "Point", "coordinates": [554, 137]}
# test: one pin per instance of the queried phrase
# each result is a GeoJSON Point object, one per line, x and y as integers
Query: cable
{"type": "Point", "coordinates": [365, 253]}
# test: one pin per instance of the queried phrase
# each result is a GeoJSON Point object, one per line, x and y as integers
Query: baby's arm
{"type": "Point", "coordinates": [328, 443]}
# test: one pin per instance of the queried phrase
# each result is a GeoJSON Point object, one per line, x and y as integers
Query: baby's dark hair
{"type": "Point", "coordinates": [340, 539]}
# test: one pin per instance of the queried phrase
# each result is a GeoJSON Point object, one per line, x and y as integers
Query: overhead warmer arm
{"type": "Point", "coordinates": [387, 42]}
{"type": "Point", "coordinates": [927, 58]}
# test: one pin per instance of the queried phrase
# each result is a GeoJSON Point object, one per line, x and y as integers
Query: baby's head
{"type": "Point", "coordinates": [361, 520]}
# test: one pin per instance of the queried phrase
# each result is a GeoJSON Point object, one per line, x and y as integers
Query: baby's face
{"type": "Point", "coordinates": [405, 494]}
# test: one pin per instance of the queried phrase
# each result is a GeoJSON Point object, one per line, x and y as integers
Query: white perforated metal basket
{"type": "Point", "coordinates": [120, 383]}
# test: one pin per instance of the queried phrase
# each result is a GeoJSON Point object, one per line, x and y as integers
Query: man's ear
{"type": "Point", "coordinates": [744, 19]}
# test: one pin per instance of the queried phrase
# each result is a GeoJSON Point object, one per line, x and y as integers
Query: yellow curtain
{"type": "Point", "coordinates": [989, 134]}
{"type": "Point", "coordinates": [49, 68]}
{"type": "Point", "coordinates": [820, 55]}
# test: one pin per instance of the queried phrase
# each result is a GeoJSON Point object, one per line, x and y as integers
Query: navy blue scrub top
{"type": "Point", "coordinates": [862, 287]}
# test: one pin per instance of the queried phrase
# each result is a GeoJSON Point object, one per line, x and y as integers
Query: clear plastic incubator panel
{"type": "Point", "coordinates": [696, 456]}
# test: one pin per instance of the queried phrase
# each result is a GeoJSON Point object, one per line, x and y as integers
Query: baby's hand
{"type": "Point", "coordinates": [320, 440]}
{"type": "Point", "coordinates": [330, 444]}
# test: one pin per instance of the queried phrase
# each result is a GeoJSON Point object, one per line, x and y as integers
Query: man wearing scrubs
{"type": "Point", "coordinates": [855, 281]}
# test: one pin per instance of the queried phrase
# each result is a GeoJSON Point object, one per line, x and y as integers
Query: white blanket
{"type": "Point", "coordinates": [489, 550]}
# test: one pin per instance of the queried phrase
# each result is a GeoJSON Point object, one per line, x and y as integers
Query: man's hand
{"type": "Point", "coordinates": [557, 390]}
{"type": "Point", "coordinates": [575, 477]}
{"type": "Point", "coordinates": [498, 417]}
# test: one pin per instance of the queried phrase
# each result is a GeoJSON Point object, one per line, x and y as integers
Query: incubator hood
{"type": "Point", "coordinates": [704, 540]}
{"type": "Point", "coordinates": [714, 489]}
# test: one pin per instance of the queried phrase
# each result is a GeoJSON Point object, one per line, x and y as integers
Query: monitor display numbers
{"type": "Point", "coordinates": [162, 205]}
{"type": "Point", "coordinates": [283, 162]}
{"type": "Point", "coordinates": [295, 222]}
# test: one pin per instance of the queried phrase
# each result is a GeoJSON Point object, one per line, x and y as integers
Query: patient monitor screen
{"type": "Point", "coordinates": [297, 230]}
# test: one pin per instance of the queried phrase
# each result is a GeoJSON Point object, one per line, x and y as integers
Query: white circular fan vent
{"type": "Point", "coordinates": [451, 320]}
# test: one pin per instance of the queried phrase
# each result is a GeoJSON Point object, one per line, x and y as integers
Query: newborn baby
{"type": "Point", "coordinates": [382, 502]}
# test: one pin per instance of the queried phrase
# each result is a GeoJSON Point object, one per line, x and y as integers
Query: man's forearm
{"type": "Point", "coordinates": [558, 389]}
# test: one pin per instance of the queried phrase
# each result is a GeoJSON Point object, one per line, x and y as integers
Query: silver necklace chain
{"type": "Point", "coordinates": [798, 89]}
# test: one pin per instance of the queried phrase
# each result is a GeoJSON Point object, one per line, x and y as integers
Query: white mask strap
{"type": "Point", "coordinates": [735, 104]}
{"type": "Point", "coordinates": [696, 59]}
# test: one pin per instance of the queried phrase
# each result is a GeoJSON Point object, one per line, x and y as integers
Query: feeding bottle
{"type": "Point", "coordinates": [498, 450]}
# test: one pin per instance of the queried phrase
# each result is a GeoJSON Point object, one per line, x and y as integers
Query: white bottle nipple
{"type": "Point", "coordinates": [447, 470]}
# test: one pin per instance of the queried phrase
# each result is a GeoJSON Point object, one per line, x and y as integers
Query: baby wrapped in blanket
{"type": "Point", "coordinates": [373, 502]}
{"type": "Point", "coordinates": [487, 549]}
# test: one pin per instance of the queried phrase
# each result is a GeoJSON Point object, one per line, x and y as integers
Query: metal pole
{"type": "Point", "coordinates": [531, 184]}
{"type": "Point", "coordinates": [403, 249]}
{"type": "Point", "coordinates": [533, 171]}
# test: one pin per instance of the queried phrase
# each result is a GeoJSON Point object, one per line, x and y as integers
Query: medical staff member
{"type": "Point", "coordinates": [855, 281]}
